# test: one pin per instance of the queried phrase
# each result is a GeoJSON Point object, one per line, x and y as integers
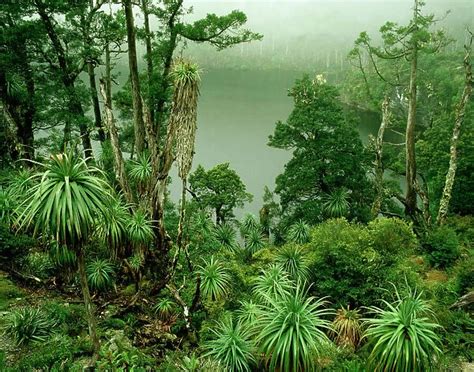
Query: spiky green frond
{"type": "Point", "coordinates": [215, 279]}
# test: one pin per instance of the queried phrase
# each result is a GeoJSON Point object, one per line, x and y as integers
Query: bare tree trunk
{"type": "Point", "coordinates": [134, 79]}
{"type": "Point", "coordinates": [95, 102]}
{"type": "Point", "coordinates": [114, 141]}
{"type": "Point", "coordinates": [460, 112]}
{"type": "Point", "coordinates": [91, 321]}
{"type": "Point", "coordinates": [149, 58]}
{"type": "Point", "coordinates": [379, 169]}
{"type": "Point", "coordinates": [108, 76]}
{"type": "Point", "coordinates": [410, 196]}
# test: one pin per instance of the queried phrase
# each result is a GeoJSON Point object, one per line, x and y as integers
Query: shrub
{"type": "Point", "coordinates": [345, 267]}
{"type": "Point", "coordinates": [392, 238]}
{"type": "Point", "coordinates": [25, 325]}
{"type": "Point", "coordinates": [39, 264]}
{"type": "Point", "coordinates": [231, 346]}
{"type": "Point", "coordinates": [100, 274]}
{"type": "Point", "coordinates": [56, 354]}
{"type": "Point", "coordinates": [254, 241]}
{"type": "Point", "coordinates": [13, 246]}
{"type": "Point", "coordinates": [291, 330]}
{"type": "Point", "coordinates": [71, 317]}
{"type": "Point", "coordinates": [465, 276]}
{"type": "Point", "coordinates": [401, 336]}
{"type": "Point", "coordinates": [442, 246]}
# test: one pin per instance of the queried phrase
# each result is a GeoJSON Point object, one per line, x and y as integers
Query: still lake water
{"type": "Point", "coordinates": [237, 112]}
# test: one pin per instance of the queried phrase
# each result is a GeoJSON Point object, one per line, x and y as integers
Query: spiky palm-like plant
{"type": "Point", "coordinates": [347, 327]}
{"type": "Point", "coordinates": [248, 224]}
{"type": "Point", "coordinates": [65, 205]}
{"type": "Point", "coordinates": [271, 283]}
{"type": "Point", "coordinates": [248, 314]}
{"type": "Point", "coordinates": [231, 346]}
{"type": "Point", "coordinates": [140, 229]}
{"type": "Point", "coordinates": [291, 331]}
{"type": "Point", "coordinates": [185, 76]}
{"type": "Point", "coordinates": [165, 308]}
{"type": "Point", "coordinates": [141, 170]}
{"type": "Point", "coordinates": [293, 260]}
{"type": "Point", "coordinates": [215, 279]}
{"type": "Point", "coordinates": [337, 203]}
{"type": "Point", "coordinates": [299, 233]}
{"type": "Point", "coordinates": [28, 324]}
{"type": "Point", "coordinates": [100, 274]}
{"type": "Point", "coordinates": [402, 336]}
{"type": "Point", "coordinates": [112, 228]}
{"type": "Point", "coordinates": [254, 241]}
{"type": "Point", "coordinates": [226, 236]}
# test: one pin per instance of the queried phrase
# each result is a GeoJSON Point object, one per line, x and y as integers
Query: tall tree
{"type": "Point", "coordinates": [328, 156]}
{"type": "Point", "coordinates": [68, 70]}
{"type": "Point", "coordinates": [139, 125]}
{"type": "Point", "coordinates": [460, 113]}
{"type": "Point", "coordinates": [404, 43]}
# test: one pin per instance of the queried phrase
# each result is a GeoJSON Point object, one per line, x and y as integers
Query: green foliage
{"type": "Point", "coordinates": [465, 276]}
{"type": "Point", "coordinates": [118, 353]}
{"type": "Point", "coordinates": [14, 246]}
{"type": "Point", "coordinates": [220, 189]}
{"type": "Point", "coordinates": [392, 238]}
{"type": "Point", "coordinates": [402, 336]}
{"type": "Point", "coordinates": [27, 324]}
{"type": "Point", "coordinates": [442, 246]}
{"type": "Point", "coordinates": [291, 330]}
{"type": "Point", "coordinates": [100, 274]}
{"type": "Point", "coordinates": [327, 155]}
{"type": "Point", "coordinates": [293, 260]}
{"type": "Point", "coordinates": [299, 233]}
{"type": "Point", "coordinates": [70, 317]}
{"type": "Point", "coordinates": [231, 346]}
{"type": "Point", "coordinates": [215, 279]}
{"type": "Point", "coordinates": [226, 236]}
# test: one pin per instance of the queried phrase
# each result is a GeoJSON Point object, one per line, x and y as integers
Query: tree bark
{"type": "Point", "coordinates": [114, 141]}
{"type": "Point", "coordinates": [134, 79]}
{"type": "Point", "coordinates": [95, 102]}
{"type": "Point", "coordinates": [460, 112]}
{"type": "Point", "coordinates": [149, 58]}
{"type": "Point", "coordinates": [379, 169]}
{"type": "Point", "coordinates": [410, 196]}
{"type": "Point", "coordinates": [91, 320]}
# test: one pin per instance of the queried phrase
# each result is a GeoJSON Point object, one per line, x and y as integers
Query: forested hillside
{"type": "Point", "coordinates": [123, 248]}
